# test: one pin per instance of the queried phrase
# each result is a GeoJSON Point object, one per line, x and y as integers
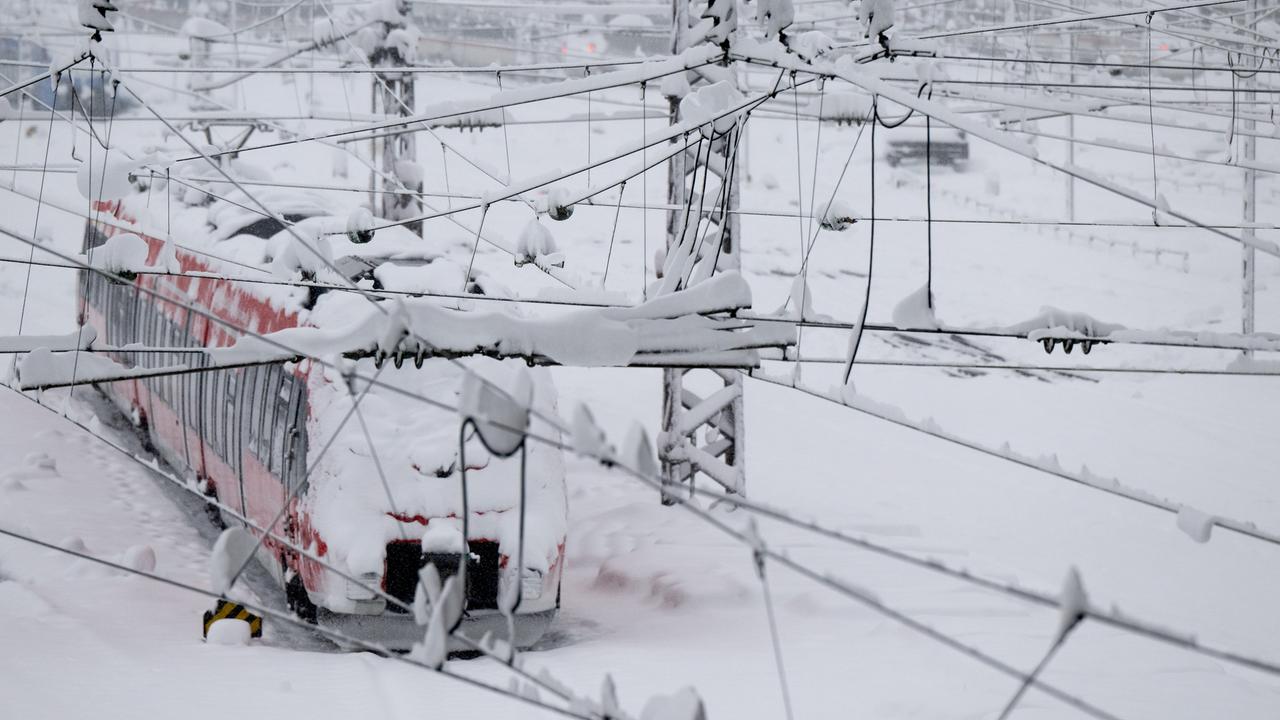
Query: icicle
{"type": "Point", "coordinates": [637, 451]}
{"type": "Point", "coordinates": [588, 437]}
{"type": "Point", "coordinates": [1074, 602]}
{"type": "Point", "coordinates": [609, 698]}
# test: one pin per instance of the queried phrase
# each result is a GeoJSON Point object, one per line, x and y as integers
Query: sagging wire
{"type": "Point", "coordinates": [697, 238]}
{"type": "Point", "coordinates": [506, 141]}
{"type": "Point", "coordinates": [855, 338]}
{"type": "Point", "coordinates": [475, 247]}
{"type": "Point", "coordinates": [644, 195]}
{"type": "Point", "coordinates": [17, 145]}
{"type": "Point", "coordinates": [587, 75]}
{"type": "Point", "coordinates": [95, 208]}
{"type": "Point", "coordinates": [758, 560]}
{"type": "Point", "coordinates": [928, 205]}
{"type": "Point", "coordinates": [688, 201]}
{"type": "Point", "coordinates": [1031, 677]}
{"type": "Point", "coordinates": [729, 152]}
{"type": "Point", "coordinates": [795, 98]}
{"type": "Point", "coordinates": [444, 163]}
{"type": "Point", "coordinates": [736, 138]}
{"type": "Point", "coordinates": [1151, 122]}
{"type": "Point", "coordinates": [26, 288]}
{"type": "Point", "coordinates": [501, 445]}
{"type": "Point", "coordinates": [613, 234]}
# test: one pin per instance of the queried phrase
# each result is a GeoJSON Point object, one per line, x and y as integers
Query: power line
{"type": "Point", "coordinates": [1112, 487]}
{"type": "Point", "coordinates": [1028, 368]}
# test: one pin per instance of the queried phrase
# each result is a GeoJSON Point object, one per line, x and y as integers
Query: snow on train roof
{"type": "Point", "coordinates": [230, 234]}
{"type": "Point", "coordinates": [415, 443]}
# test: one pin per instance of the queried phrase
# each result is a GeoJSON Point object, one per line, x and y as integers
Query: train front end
{"type": "Point", "coordinates": [386, 500]}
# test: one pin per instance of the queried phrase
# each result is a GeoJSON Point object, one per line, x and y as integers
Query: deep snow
{"type": "Point", "coordinates": [654, 598]}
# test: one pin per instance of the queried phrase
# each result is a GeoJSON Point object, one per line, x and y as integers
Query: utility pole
{"type": "Point", "coordinates": [702, 433]}
{"type": "Point", "coordinates": [1250, 190]}
{"type": "Point", "coordinates": [395, 154]}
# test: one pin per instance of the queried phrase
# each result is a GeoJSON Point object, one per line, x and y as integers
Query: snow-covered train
{"type": "Point", "coordinates": [252, 436]}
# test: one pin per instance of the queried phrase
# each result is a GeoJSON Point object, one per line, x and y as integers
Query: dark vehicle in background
{"type": "Point", "coordinates": [944, 146]}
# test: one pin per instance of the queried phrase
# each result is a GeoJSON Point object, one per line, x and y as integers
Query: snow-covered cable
{"type": "Point", "coordinates": [1111, 487]}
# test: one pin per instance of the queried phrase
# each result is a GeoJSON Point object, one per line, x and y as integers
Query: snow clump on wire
{"type": "Point", "coordinates": [707, 106]}
{"type": "Point", "coordinates": [537, 243]}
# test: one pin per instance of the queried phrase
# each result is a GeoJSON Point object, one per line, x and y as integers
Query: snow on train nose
{"type": "Point", "coordinates": [365, 589]}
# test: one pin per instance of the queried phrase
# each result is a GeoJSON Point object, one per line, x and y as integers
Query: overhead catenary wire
{"type": "Point", "coordinates": [619, 205]}
{"type": "Point", "coordinates": [822, 579]}
{"type": "Point", "coordinates": [1110, 487]}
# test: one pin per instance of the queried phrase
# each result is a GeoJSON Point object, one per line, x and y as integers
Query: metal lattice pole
{"type": "Point", "coordinates": [701, 434]}
{"type": "Point", "coordinates": [393, 94]}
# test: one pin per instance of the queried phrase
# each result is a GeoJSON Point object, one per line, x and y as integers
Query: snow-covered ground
{"type": "Point", "coordinates": [654, 597]}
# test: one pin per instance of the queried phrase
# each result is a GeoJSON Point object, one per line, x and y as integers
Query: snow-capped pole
{"type": "Point", "coordinates": [393, 44]}
{"type": "Point", "coordinates": [689, 262]}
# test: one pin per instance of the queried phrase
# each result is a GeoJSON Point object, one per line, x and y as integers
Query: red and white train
{"type": "Point", "coordinates": [251, 436]}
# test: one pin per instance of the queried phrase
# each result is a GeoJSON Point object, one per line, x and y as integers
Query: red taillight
{"type": "Point", "coordinates": [591, 47]}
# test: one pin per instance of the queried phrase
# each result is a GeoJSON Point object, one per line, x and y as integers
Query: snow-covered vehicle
{"type": "Point", "coordinates": [378, 504]}
{"type": "Point", "coordinates": [945, 146]}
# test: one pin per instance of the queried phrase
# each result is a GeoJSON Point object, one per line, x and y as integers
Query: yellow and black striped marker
{"type": "Point", "coordinates": [227, 610]}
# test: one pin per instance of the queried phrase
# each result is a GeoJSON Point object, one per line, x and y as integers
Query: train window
{"type": "Point", "coordinates": [153, 330]}
{"type": "Point", "coordinates": [131, 329]}
{"type": "Point", "coordinates": [176, 339]}
{"type": "Point", "coordinates": [253, 417]}
{"type": "Point", "coordinates": [280, 423]}
{"type": "Point", "coordinates": [109, 326]}
{"type": "Point", "coordinates": [206, 424]}
{"type": "Point", "coordinates": [211, 411]}
{"type": "Point", "coordinates": [229, 404]}
{"type": "Point", "coordinates": [297, 451]}
{"type": "Point", "coordinates": [108, 320]}
{"type": "Point", "coordinates": [170, 340]}
{"type": "Point", "coordinates": [157, 318]}
{"type": "Point", "coordinates": [274, 418]}
{"type": "Point", "coordinates": [249, 388]}
{"type": "Point", "coordinates": [192, 398]}
{"type": "Point", "coordinates": [267, 421]}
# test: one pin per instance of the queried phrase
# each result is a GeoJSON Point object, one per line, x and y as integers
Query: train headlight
{"type": "Point", "coordinates": [366, 589]}
{"type": "Point", "coordinates": [531, 584]}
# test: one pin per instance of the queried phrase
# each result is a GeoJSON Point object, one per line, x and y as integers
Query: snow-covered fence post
{"type": "Point", "coordinates": [393, 94]}
{"type": "Point", "coordinates": [686, 415]}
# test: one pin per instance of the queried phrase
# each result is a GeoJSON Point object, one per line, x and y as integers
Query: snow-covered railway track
{"type": "Point", "coordinates": [118, 431]}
